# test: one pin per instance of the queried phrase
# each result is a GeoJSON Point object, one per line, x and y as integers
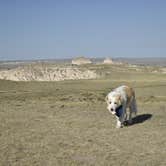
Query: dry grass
{"type": "Point", "coordinates": [66, 123]}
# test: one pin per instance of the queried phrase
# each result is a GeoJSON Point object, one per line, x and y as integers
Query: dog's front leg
{"type": "Point", "coordinates": [118, 123]}
{"type": "Point", "coordinates": [123, 116]}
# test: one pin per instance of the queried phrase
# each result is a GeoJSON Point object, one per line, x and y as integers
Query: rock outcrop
{"type": "Point", "coordinates": [108, 61]}
{"type": "Point", "coordinates": [81, 61]}
{"type": "Point", "coordinates": [46, 73]}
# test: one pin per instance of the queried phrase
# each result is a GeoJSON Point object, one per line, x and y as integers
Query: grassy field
{"type": "Point", "coordinates": [66, 123]}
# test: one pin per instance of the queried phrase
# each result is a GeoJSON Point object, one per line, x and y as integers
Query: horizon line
{"type": "Point", "coordinates": [104, 57]}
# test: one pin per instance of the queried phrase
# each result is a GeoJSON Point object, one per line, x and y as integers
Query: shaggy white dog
{"type": "Point", "coordinates": [118, 101]}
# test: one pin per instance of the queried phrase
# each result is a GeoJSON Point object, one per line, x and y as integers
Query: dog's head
{"type": "Point", "coordinates": [113, 102]}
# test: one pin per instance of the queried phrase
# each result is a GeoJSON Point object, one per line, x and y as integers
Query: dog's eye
{"type": "Point", "coordinates": [115, 103]}
{"type": "Point", "coordinates": [110, 102]}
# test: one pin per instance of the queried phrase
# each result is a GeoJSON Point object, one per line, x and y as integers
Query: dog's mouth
{"type": "Point", "coordinates": [118, 111]}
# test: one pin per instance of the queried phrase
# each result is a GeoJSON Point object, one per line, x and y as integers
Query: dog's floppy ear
{"type": "Point", "coordinates": [106, 99]}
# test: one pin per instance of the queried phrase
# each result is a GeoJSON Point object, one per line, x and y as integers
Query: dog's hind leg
{"type": "Point", "coordinates": [130, 115]}
{"type": "Point", "coordinates": [133, 110]}
{"type": "Point", "coordinates": [134, 106]}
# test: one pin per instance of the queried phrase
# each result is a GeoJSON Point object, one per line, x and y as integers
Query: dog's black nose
{"type": "Point", "coordinates": [112, 109]}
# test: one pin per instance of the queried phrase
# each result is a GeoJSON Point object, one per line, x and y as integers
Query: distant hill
{"type": "Point", "coordinates": [136, 61]}
{"type": "Point", "coordinates": [144, 61]}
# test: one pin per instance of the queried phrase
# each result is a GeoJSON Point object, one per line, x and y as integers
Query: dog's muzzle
{"type": "Point", "coordinates": [112, 111]}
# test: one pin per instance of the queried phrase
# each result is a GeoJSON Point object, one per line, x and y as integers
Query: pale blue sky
{"type": "Point", "coordinates": [44, 29]}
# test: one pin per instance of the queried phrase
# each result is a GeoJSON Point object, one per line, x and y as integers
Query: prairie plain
{"type": "Point", "coordinates": [66, 122]}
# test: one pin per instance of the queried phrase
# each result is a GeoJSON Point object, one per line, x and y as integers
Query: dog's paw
{"type": "Point", "coordinates": [119, 126]}
{"type": "Point", "coordinates": [125, 123]}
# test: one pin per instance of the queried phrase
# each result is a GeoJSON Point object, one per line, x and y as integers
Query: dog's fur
{"type": "Point", "coordinates": [122, 97]}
